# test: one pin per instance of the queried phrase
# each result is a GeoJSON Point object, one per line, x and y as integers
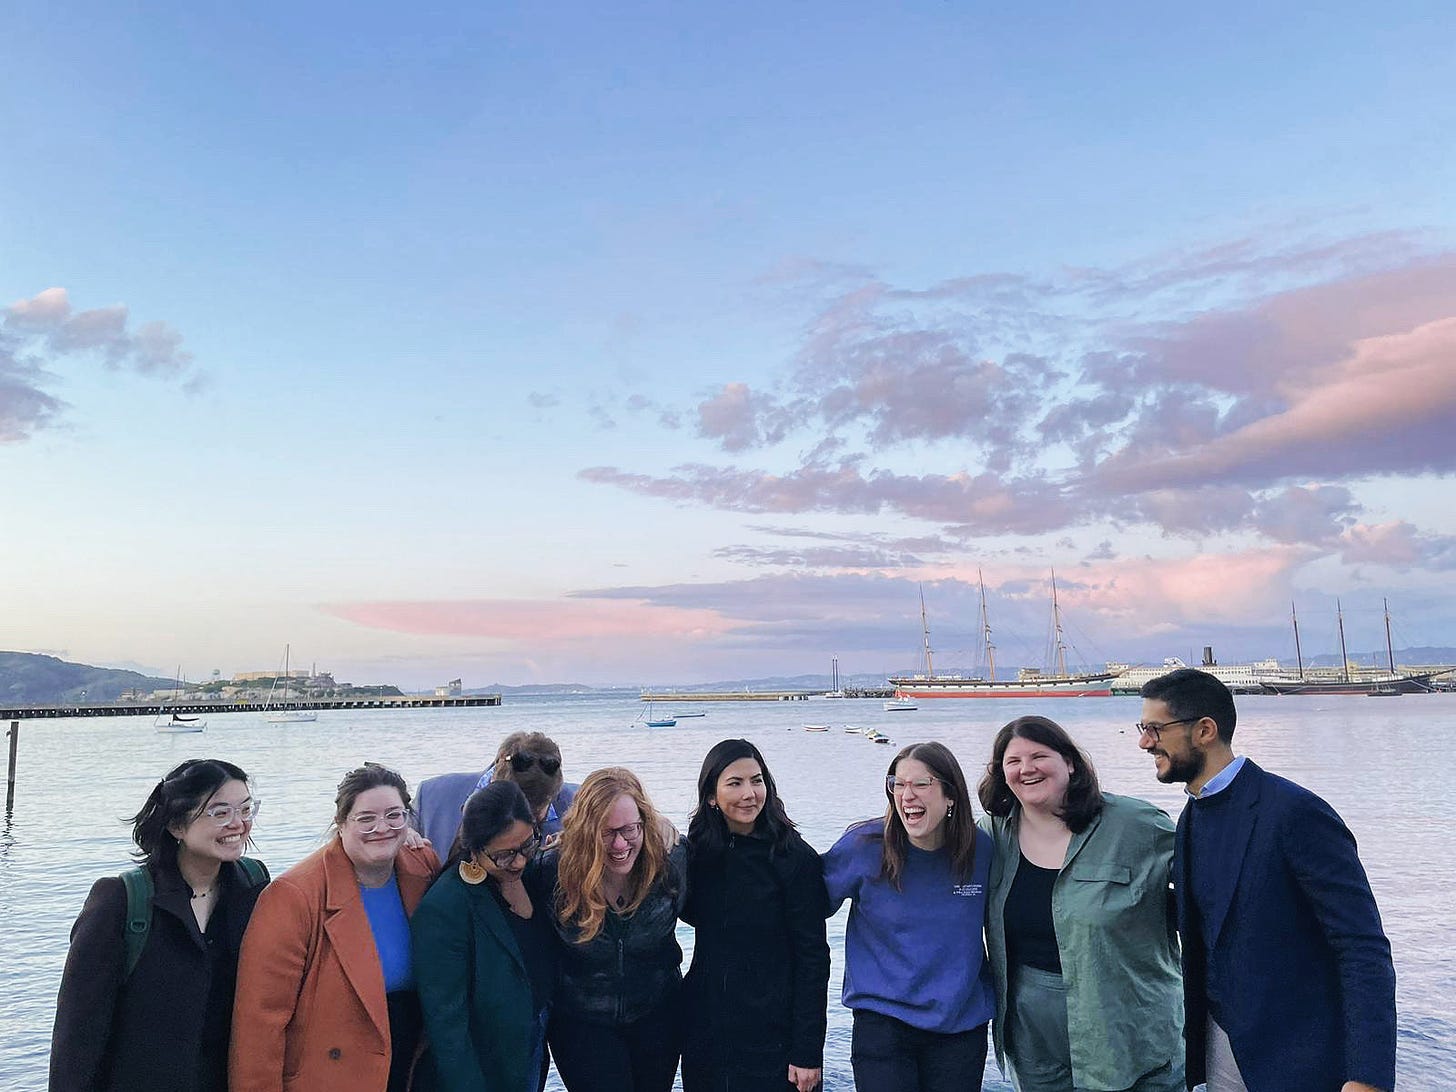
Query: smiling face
{"type": "Point", "coordinates": [1036, 774]}
{"type": "Point", "coordinates": [1175, 756]}
{"type": "Point", "coordinates": [921, 807]}
{"type": "Point", "coordinates": [204, 839]}
{"type": "Point", "coordinates": [740, 795]}
{"type": "Point", "coordinates": [516, 836]}
{"type": "Point", "coordinates": [366, 835]}
{"type": "Point", "coordinates": [621, 836]}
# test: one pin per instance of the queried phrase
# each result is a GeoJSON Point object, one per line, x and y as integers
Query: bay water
{"type": "Point", "coordinates": [1381, 764]}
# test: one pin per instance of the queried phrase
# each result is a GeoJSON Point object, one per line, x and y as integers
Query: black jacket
{"type": "Point", "coordinates": [164, 1028]}
{"type": "Point", "coordinates": [757, 992]}
{"type": "Point", "coordinates": [634, 964]}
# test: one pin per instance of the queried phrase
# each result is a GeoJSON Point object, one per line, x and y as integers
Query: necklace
{"type": "Point", "coordinates": [204, 893]}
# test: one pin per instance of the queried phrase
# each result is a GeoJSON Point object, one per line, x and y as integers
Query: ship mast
{"type": "Point", "coordinates": [986, 632]}
{"type": "Point", "coordinates": [1298, 656]}
{"type": "Point", "coordinates": [1340, 622]}
{"type": "Point", "coordinates": [1057, 622]}
{"type": "Point", "coordinates": [925, 633]}
{"type": "Point", "coordinates": [1389, 651]}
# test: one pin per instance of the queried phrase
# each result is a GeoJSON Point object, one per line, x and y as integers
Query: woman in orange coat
{"type": "Point", "coordinates": [325, 983]}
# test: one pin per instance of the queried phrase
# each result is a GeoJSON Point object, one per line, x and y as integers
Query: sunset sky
{"type": "Point", "coordinates": [664, 343]}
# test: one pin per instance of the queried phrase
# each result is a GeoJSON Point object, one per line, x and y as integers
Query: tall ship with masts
{"type": "Point", "coordinates": [1030, 682]}
{"type": "Point", "coordinates": [1348, 681]}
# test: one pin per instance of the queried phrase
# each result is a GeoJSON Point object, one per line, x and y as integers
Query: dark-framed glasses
{"type": "Point", "coordinates": [1154, 729]}
{"type": "Point", "coordinates": [367, 821]}
{"type": "Point", "coordinates": [504, 858]}
{"type": "Point", "coordinates": [628, 832]}
{"type": "Point", "coordinates": [224, 814]}
{"type": "Point", "coordinates": [522, 761]}
{"type": "Point", "coordinates": [895, 786]}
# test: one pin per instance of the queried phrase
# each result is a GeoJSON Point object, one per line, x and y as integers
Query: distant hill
{"type": "Point", "coordinates": [27, 678]}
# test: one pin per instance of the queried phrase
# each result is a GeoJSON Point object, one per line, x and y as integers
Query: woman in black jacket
{"type": "Point", "coordinates": [159, 1018]}
{"type": "Point", "coordinates": [757, 991]}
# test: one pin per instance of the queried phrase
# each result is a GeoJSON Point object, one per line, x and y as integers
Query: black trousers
{"type": "Point", "coordinates": [637, 1057]}
{"type": "Point", "coordinates": [889, 1055]}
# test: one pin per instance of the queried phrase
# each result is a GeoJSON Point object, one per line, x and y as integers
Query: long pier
{"type": "Point", "coordinates": [152, 709]}
{"type": "Point", "coordinates": [731, 695]}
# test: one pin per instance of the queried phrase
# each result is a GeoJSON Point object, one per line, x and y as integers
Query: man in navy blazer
{"type": "Point", "coordinates": [1287, 978]}
{"type": "Point", "coordinates": [530, 759]}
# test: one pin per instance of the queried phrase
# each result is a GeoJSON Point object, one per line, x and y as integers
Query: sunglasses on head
{"type": "Point", "coordinates": [522, 761]}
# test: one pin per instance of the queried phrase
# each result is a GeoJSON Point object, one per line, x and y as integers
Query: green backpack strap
{"type": "Point", "coordinates": [254, 871]}
{"type": "Point", "coordinates": [139, 891]}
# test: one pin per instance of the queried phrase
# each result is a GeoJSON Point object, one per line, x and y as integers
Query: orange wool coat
{"type": "Point", "coordinates": [310, 1012]}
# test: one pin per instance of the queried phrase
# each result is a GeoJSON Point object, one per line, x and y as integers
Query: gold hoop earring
{"type": "Point", "coordinates": [471, 872]}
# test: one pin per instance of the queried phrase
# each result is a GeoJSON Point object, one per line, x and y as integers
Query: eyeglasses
{"type": "Point", "coordinates": [1155, 729]}
{"type": "Point", "coordinates": [505, 857]}
{"type": "Point", "coordinates": [522, 761]}
{"type": "Point", "coordinates": [894, 786]}
{"type": "Point", "coordinates": [223, 814]}
{"type": "Point", "coordinates": [629, 833]}
{"type": "Point", "coordinates": [367, 821]}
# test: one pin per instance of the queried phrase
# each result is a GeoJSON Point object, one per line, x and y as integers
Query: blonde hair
{"type": "Point", "coordinates": [580, 899]}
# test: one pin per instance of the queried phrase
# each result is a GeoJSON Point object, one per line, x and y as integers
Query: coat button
{"type": "Point", "coordinates": [336, 1054]}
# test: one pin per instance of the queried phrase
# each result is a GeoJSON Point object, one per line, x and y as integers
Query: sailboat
{"type": "Point", "coordinates": [1030, 682]}
{"type": "Point", "coordinates": [174, 723]}
{"type": "Point", "coordinates": [285, 716]}
{"type": "Point", "coordinates": [1381, 684]}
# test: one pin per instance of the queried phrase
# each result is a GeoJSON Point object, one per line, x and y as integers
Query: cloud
{"type": "Point", "coordinates": [865, 556]}
{"type": "Point", "coordinates": [1399, 545]}
{"type": "Point", "coordinates": [40, 334]}
{"type": "Point", "coordinates": [526, 620]}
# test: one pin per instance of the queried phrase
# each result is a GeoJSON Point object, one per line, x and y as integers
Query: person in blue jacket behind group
{"type": "Point", "coordinates": [915, 971]}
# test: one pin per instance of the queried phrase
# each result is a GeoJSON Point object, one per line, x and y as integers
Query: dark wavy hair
{"type": "Point", "coordinates": [489, 811]}
{"type": "Point", "coordinates": [960, 824]}
{"type": "Point", "coordinates": [707, 829]}
{"type": "Point", "coordinates": [360, 780]}
{"type": "Point", "coordinates": [1084, 795]}
{"type": "Point", "coordinates": [1192, 694]}
{"type": "Point", "coordinates": [176, 800]}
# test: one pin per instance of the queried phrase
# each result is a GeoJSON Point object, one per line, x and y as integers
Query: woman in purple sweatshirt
{"type": "Point", "coordinates": [915, 971]}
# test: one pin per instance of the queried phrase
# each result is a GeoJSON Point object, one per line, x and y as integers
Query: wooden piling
{"type": "Point", "coordinates": [14, 734]}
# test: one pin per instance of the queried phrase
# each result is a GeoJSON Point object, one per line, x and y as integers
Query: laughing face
{"type": "Point", "coordinates": [622, 836]}
{"type": "Point", "coordinates": [1036, 774]}
{"type": "Point", "coordinates": [740, 795]}
{"type": "Point", "coordinates": [206, 839]}
{"type": "Point", "coordinates": [921, 803]}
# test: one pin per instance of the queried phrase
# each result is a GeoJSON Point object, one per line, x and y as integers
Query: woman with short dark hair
{"type": "Point", "coordinates": [914, 960]}
{"type": "Point", "coordinates": [146, 998]}
{"type": "Point", "coordinates": [485, 953]}
{"type": "Point", "coordinates": [1088, 989]}
{"type": "Point", "coordinates": [755, 996]}
{"type": "Point", "coordinates": [326, 995]}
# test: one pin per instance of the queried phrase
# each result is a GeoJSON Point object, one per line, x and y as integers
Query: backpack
{"type": "Point", "coordinates": [139, 891]}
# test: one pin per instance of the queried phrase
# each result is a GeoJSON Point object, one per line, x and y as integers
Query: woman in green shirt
{"type": "Point", "coordinates": [1081, 941]}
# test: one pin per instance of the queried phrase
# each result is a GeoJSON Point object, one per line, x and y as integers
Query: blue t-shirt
{"type": "Point", "coordinates": [917, 954]}
{"type": "Point", "coordinates": [390, 926]}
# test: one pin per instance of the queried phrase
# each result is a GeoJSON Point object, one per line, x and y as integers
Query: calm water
{"type": "Point", "coordinates": [1375, 762]}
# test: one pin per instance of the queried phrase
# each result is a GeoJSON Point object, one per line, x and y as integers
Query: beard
{"type": "Point", "coordinates": [1183, 769]}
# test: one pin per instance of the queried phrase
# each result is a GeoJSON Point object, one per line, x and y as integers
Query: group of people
{"type": "Point", "coordinates": [1080, 934]}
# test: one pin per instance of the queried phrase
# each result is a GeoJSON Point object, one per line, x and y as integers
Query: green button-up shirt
{"type": "Point", "coordinates": [1117, 940]}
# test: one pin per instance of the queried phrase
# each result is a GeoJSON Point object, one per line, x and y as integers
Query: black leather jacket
{"type": "Point", "coordinates": [634, 964]}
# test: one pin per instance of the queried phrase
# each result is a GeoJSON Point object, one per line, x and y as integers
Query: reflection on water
{"type": "Point", "coordinates": [1380, 764]}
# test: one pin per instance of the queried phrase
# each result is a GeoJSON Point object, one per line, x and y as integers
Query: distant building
{"type": "Point", "coordinates": [450, 690]}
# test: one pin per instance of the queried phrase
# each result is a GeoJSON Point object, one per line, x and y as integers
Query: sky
{"type": "Point", "coordinates": [655, 343]}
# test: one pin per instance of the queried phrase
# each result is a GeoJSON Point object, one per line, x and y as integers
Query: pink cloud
{"type": "Point", "coordinates": [544, 621]}
{"type": "Point", "coordinates": [1398, 544]}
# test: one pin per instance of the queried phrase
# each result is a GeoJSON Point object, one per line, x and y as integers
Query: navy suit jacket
{"type": "Point", "coordinates": [438, 801]}
{"type": "Point", "coordinates": [1304, 967]}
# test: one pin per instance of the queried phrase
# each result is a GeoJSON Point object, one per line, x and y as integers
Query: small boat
{"type": "Point", "coordinates": [285, 716]}
{"type": "Point", "coordinates": [854, 729]}
{"type": "Point", "coordinates": [663, 722]}
{"type": "Point", "coordinates": [884, 739]}
{"type": "Point", "coordinates": [816, 727]}
{"type": "Point", "coordinates": [180, 725]}
{"type": "Point", "coordinates": [900, 705]}
{"type": "Point", "coordinates": [685, 716]}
